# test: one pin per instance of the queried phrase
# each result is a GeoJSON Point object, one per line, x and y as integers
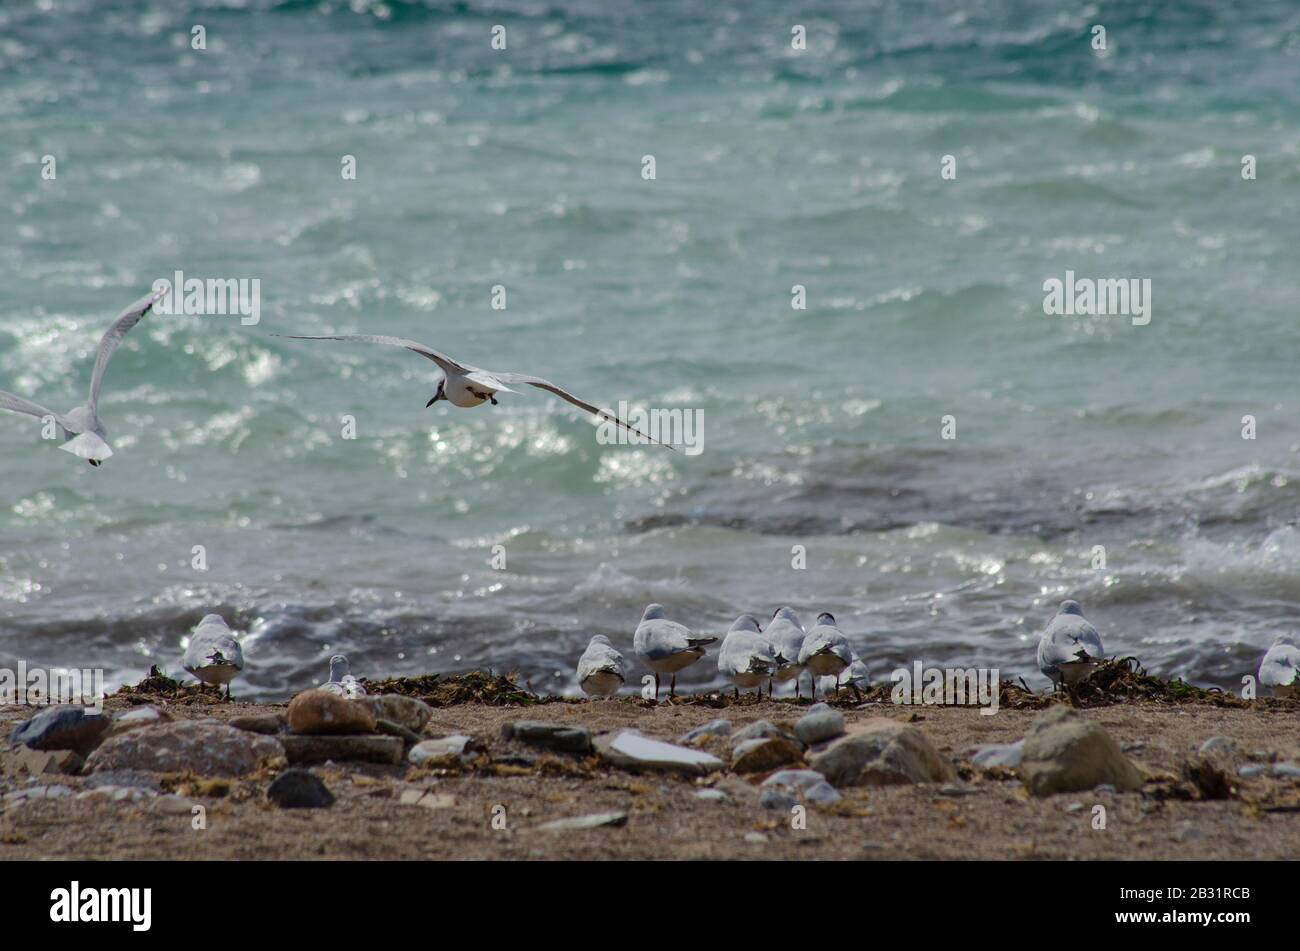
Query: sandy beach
{"type": "Point", "coordinates": [985, 814]}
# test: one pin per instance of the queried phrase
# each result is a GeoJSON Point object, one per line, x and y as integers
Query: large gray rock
{"type": "Point", "coordinates": [204, 748]}
{"type": "Point", "coordinates": [65, 727]}
{"type": "Point", "coordinates": [882, 752]}
{"type": "Point", "coordinates": [1066, 753]}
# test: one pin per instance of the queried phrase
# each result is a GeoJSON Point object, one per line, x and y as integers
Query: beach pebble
{"type": "Point", "coordinates": [764, 754]}
{"type": "Point", "coordinates": [882, 752]}
{"type": "Point", "coordinates": [805, 785]}
{"type": "Point", "coordinates": [631, 750]}
{"type": "Point", "coordinates": [594, 821]}
{"type": "Point", "coordinates": [757, 730]}
{"type": "Point", "coordinates": [123, 777]}
{"type": "Point", "coordinates": [118, 793]}
{"type": "Point", "coordinates": [306, 750]}
{"type": "Point", "coordinates": [954, 790]}
{"type": "Point", "coordinates": [777, 798]}
{"type": "Point", "coordinates": [24, 761]}
{"type": "Point", "coordinates": [1007, 756]}
{"type": "Point", "coordinates": [711, 795]}
{"type": "Point", "coordinates": [299, 789]}
{"type": "Point", "coordinates": [1065, 752]}
{"type": "Point", "coordinates": [56, 791]}
{"type": "Point", "coordinates": [712, 728]}
{"type": "Point", "coordinates": [172, 805]}
{"type": "Point", "coordinates": [321, 712]}
{"type": "Point", "coordinates": [199, 747]}
{"type": "Point", "coordinates": [1218, 744]}
{"type": "Point", "coordinates": [138, 717]}
{"type": "Point", "coordinates": [1286, 770]}
{"type": "Point", "coordinates": [446, 747]}
{"type": "Point", "coordinates": [819, 724]}
{"type": "Point", "coordinates": [66, 727]}
{"type": "Point", "coordinates": [551, 736]}
{"type": "Point", "coordinates": [1253, 771]}
{"type": "Point", "coordinates": [425, 799]}
{"type": "Point", "coordinates": [755, 838]}
{"type": "Point", "coordinates": [396, 708]}
{"type": "Point", "coordinates": [268, 724]}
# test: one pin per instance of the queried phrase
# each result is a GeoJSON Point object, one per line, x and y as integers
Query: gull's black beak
{"type": "Point", "coordinates": [432, 401]}
{"type": "Point", "coordinates": [439, 395]}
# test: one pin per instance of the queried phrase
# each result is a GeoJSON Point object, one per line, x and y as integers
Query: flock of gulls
{"type": "Point", "coordinates": [1068, 651]}
{"type": "Point", "coordinates": [461, 385]}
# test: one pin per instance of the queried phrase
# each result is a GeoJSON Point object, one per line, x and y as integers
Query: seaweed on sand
{"type": "Point", "coordinates": [158, 688]}
{"type": "Point", "coordinates": [475, 686]}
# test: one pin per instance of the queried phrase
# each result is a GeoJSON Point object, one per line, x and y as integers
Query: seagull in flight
{"type": "Point", "coordinates": [468, 386]}
{"type": "Point", "coordinates": [83, 433]}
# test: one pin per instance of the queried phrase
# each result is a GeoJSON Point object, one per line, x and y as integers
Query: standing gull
{"type": "Point", "coordinates": [746, 657]}
{"type": "Point", "coordinates": [601, 669]}
{"type": "Point", "coordinates": [341, 681]}
{"type": "Point", "coordinates": [83, 433]}
{"type": "Point", "coordinates": [666, 646]}
{"type": "Point", "coordinates": [787, 634]}
{"type": "Point", "coordinates": [1070, 648]}
{"type": "Point", "coordinates": [1280, 668]}
{"type": "Point", "coordinates": [213, 655]}
{"type": "Point", "coordinates": [825, 651]}
{"type": "Point", "coordinates": [466, 386]}
{"type": "Point", "coordinates": [856, 676]}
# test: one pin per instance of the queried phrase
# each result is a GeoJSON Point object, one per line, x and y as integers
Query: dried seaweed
{"type": "Point", "coordinates": [475, 686]}
{"type": "Point", "coordinates": [158, 688]}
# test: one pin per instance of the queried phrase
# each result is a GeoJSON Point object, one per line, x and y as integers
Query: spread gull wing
{"type": "Point", "coordinates": [16, 404]}
{"type": "Point", "coordinates": [445, 363]}
{"type": "Point", "coordinates": [564, 394]}
{"type": "Point", "coordinates": [112, 337]}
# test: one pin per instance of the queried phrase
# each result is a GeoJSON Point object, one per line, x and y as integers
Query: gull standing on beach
{"type": "Point", "coordinates": [1280, 668]}
{"type": "Point", "coordinates": [856, 675]}
{"type": "Point", "coordinates": [466, 386]}
{"type": "Point", "coordinates": [213, 655]}
{"type": "Point", "coordinates": [746, 657]}
{"type": "Point", "coordinates": [1070, 648]}
{"type": "Point", "coordinates": [601, 668]}
{"type": "Point", "coordinates": [786, 634]}
{"type": "Point", "coordinates": [666, 646]}
{"type": "Point", "coordinates": [83, 433]}
{"type": "Point", "coordinates": [825, 651]}
{"type": "Point", "coordinates": [341, 681]}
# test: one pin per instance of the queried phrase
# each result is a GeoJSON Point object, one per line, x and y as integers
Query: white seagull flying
{"type": "Point", "coordinates": [467, 386]}
{"type": "Point", "coordinates": [83, 433]}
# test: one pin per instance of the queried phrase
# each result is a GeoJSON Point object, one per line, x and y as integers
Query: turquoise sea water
{"type": "Point", "coordinates": [479, 167]}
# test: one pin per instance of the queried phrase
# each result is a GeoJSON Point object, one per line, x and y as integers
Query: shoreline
{"type": "Point", "coordinates": [493, 805]}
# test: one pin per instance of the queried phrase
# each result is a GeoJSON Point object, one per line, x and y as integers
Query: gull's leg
{"type": "Point", "coordinates": [737, 693]}
{"type": "Point", "coordinates": [492, 400]}
{"type": "Point", "coordinates": [656, 685]}
{"type": "Point", "coordinates": [672, 688]}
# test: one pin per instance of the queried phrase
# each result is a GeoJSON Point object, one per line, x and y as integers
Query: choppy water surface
{"type": "Point", "coordinates": [822, 427]}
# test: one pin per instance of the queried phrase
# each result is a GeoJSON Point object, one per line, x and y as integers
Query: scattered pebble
{"type": "Point", "coordinates": [321, 712]}
{"type": "Point", "coordinates": [712, 728]}
{"type": "Point", "coordinates": [594, 821]}
{"type": "Point", "coordinates": [299, 789]}
{"type": "Point", "coordinates": [551, 736]}
{"type": "Point", "coordinates": [819, 724]}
